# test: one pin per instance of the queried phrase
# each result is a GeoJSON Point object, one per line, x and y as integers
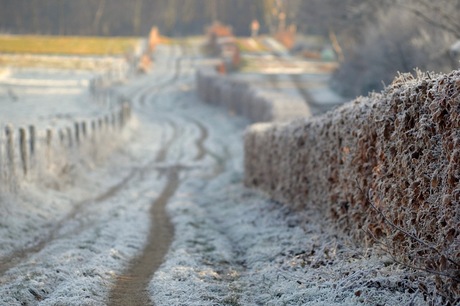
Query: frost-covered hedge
{"type": "Point", "coordinates": [256, 104]}
{"type": "Point", "coordinates": [385, 168]}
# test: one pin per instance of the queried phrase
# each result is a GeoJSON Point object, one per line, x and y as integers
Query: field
{"type": "Point", "coordinates": [99, 207]}
{"type": "Point", "coordinates": [69, 45]}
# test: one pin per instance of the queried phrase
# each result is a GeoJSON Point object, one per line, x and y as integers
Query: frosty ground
{"type": "Point", "coordinates": [70, 240]}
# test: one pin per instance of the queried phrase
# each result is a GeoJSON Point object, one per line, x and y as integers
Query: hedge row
{"type": "Point", "coordinates": [386, 168]}
{"type": "Point", "coordinates": [240, 98]}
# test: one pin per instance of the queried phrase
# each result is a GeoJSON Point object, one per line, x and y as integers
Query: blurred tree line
{"type": "Point", "coordinates": [373, 40]}
{"type": "Point", "coordinates": [377, 39]}
{"type": "Point", "coordinates": [128, 18]}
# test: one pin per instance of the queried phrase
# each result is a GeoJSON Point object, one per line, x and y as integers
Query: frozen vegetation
{"type": "Point", "coordinates": [71, 242]}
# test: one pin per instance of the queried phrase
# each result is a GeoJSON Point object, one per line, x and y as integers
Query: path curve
{"type": "Point", "coordinates": [130, 288]}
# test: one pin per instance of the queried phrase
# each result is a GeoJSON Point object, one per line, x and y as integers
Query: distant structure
{"type": "Point", "coordinates": [154, 39]}
{"type": "Point", "coordinates": [221, 42]}
{"type": "Point", "coordinates": [215, 33]}
{"type": "Point", "coordinates": [255, 26]}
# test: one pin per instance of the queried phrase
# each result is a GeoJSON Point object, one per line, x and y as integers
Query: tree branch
{"type": "Point", "coordinates": [431, 21]}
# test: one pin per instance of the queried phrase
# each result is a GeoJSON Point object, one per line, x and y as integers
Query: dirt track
{"type": "Point", "coordinates": [187, 144]}
{"type": "Point", "coordinates": [130, 288]}
{"type": "Point", "coordinates": [170, 141]}
{"type": "Point", "coordinates": [182, 166]}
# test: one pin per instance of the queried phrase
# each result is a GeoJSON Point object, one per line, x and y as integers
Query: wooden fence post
{"type": "Point", "coordinates": [10, 151]}
{"type": "Point", "coordinates": [77, 133]}
{"type": "Point", "coordinates": [23, 149]}
{"type": "Point", "coordinates": [49, 138]}
{"type": "Point", "coordinates": [121, 115]}
{"type": "Point", "coordinates": [83, 129]}
{"type": "Point", "coordinates": [93, 129]}
{"type": "Point", "coordinates": [106, 122]}
{"type": "Point", "coordinates": [32, 139]}
{"type": "Point", "coordinates": [69, 137]}
{"type": "Point", "coordinates": [100, 124]}
{"type": "Point", "coordinates": [126, 112]}
{"type": "Point", "coordinates": [61, 137]}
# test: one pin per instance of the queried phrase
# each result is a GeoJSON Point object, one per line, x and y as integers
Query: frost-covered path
{"type": "Point", "coordinates": [82, 241]}
{"type": "Point", "coordinates": [100, 238]}
{"type": "Point", "coordinates": [105, 231]}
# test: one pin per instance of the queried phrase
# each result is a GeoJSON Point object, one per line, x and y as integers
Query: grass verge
{"type": "Point", "coordinates": [69, 45]}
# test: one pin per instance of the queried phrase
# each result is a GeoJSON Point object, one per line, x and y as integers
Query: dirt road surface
{"type": "Point", "coordinates": [166, 221]}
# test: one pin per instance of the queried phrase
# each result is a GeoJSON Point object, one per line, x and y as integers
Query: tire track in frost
{"type": "Point", "coordinates": [14, 259]}
{"type": "Point", "coordinates": [165, 83]}
{"type": "Point", "coordinates": [17, 257]}
{"type": "Point", "coordinates": [23, 254]}
{"type": "Point", "coordinates": [162, 154]}
{"type": "Point", "coordinates": [131, 288]}
{"type": "Point", "coordinates": [220, 161]}
{"type": "Point", "coordinates": [204, 134]}
{"type": "Point", "coordinates": [140, 93]}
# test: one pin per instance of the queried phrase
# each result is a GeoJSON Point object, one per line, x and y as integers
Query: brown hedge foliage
{"type": "Point", "coordinates": [240, 98]}
{"type": "Point", "coordinates": [385, 168]}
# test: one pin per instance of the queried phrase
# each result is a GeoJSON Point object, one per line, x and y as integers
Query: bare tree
{"type": "Point", "coordinates": [376, 39]}
{"type": "Point", "coordinates": [444, 14]}
{"type": "Point", "coordinates": [120, 17]}
{"type": "Point", "coordinates": [97, 17]}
